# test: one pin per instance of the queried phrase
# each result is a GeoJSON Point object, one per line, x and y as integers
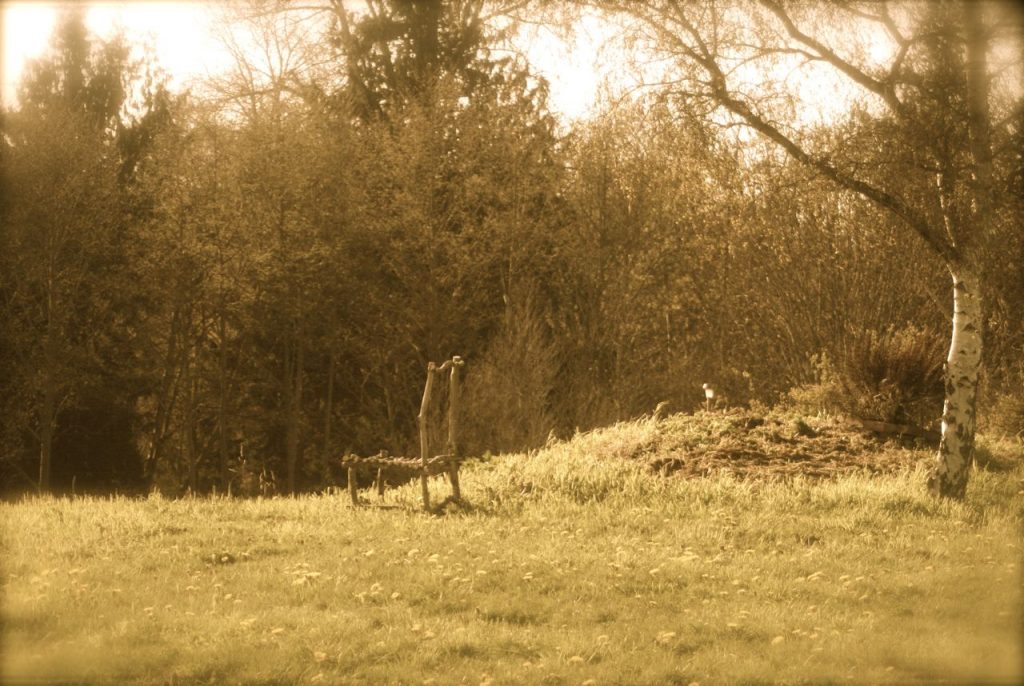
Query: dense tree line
{"type": "Point", "coordinates": [199, 290]}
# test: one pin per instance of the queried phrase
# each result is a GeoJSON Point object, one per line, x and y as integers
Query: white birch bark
{"type": "Point", "coordinates": [951, 469]}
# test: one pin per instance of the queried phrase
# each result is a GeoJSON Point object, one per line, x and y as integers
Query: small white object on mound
{"type": "Point", "coordinates": [709, 395]}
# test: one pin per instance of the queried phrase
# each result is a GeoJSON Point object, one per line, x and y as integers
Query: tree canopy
{"type": "Point", "coordinates": [230, 288]}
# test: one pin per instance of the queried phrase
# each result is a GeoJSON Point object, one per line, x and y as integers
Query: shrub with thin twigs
{"type": "Point", "coordinates": [894, 375]}
{"type": "Point", "coordinates": [507, 391]}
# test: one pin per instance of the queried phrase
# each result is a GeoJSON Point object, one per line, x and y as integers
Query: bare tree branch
{"type": "Point", "coordinates": [881, 88]}
{"type": "Point", "coordinates": [890, 26]}
{"type": "Point", "coordinates": [700, 53]}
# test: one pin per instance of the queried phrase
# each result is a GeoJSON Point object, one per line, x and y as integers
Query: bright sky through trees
{"type": "Point", "coordinates": [578, 64]}
{"type": "Point", "coordinates": [180, 35]}
{"type": "Point", "coordinates": [183, 36]}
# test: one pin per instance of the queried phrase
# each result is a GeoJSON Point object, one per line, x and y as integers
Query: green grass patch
{"type": "Point", "coordinates": [577, 562]}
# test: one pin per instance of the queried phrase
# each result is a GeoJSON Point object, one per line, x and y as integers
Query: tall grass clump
{"type": "Point", "coordinates": [591, 466]}
{"type": "Point", "coordinates": [893, 375]}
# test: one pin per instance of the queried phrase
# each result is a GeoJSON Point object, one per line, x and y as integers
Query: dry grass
{"type": "Point", "coordinates": [578, 563]}
{"type": "Point", "coordinates": [741, 443]}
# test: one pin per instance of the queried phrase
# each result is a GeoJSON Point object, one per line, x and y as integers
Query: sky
{"type": "Point", "coordinates": [180, 34]}
{"type": "Point", "coordinates": [183, 36]}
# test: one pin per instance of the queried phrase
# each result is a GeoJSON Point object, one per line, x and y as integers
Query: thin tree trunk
{"type": "Point", "coordinates": [288, 387]}
{"type": "Point", "coordinates": [951, 469]}
{"type": "Point", "coordinates": [222, 409]}
{"type": "Point", "coordinates": [166, 400]}
{"type": "Point", "coordinates": [48, 420]}
{"type": "Point", "coordinates": [293, 378]}
{"type": "Point", "coordinates": [329, 405]}
{"type": "Point", "coordinates": [48, 410]}
{"type": "Point", "coordinates": [191, 454]}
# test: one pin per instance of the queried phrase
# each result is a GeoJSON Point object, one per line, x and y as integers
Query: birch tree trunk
{"type": "Point", "coordinates": [951, 469]}
{"type": "Point", "coordinates": [956, 449]}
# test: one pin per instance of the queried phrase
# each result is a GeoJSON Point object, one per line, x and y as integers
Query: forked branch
{"type": "Point", "coordinates": [694, 47]}
{"type": "Point", "coordinates": [882, 89]}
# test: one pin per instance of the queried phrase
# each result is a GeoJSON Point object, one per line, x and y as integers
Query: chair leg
{"type": "Point", "coordinates": [353, 487]}
{"type": "Point", "coordinates": [453, 475]}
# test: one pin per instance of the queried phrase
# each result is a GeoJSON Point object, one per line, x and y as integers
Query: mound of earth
{"type": "Point", "coordinates": [748, 444]}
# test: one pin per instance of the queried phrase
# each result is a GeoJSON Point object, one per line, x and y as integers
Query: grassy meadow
{"type": "Point", "coordinates": [575, 564]}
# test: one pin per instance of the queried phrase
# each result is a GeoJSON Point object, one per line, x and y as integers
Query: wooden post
{"type": "Point", "coordinates": [352, 488]}
{"type": "Point", "coordinates": [453, 428]}
{"type": "Point", "coordinates": [424, 437]}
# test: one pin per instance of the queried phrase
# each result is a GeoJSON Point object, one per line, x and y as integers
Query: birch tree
{"type": "Point", "coordinates": [930, 84]}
